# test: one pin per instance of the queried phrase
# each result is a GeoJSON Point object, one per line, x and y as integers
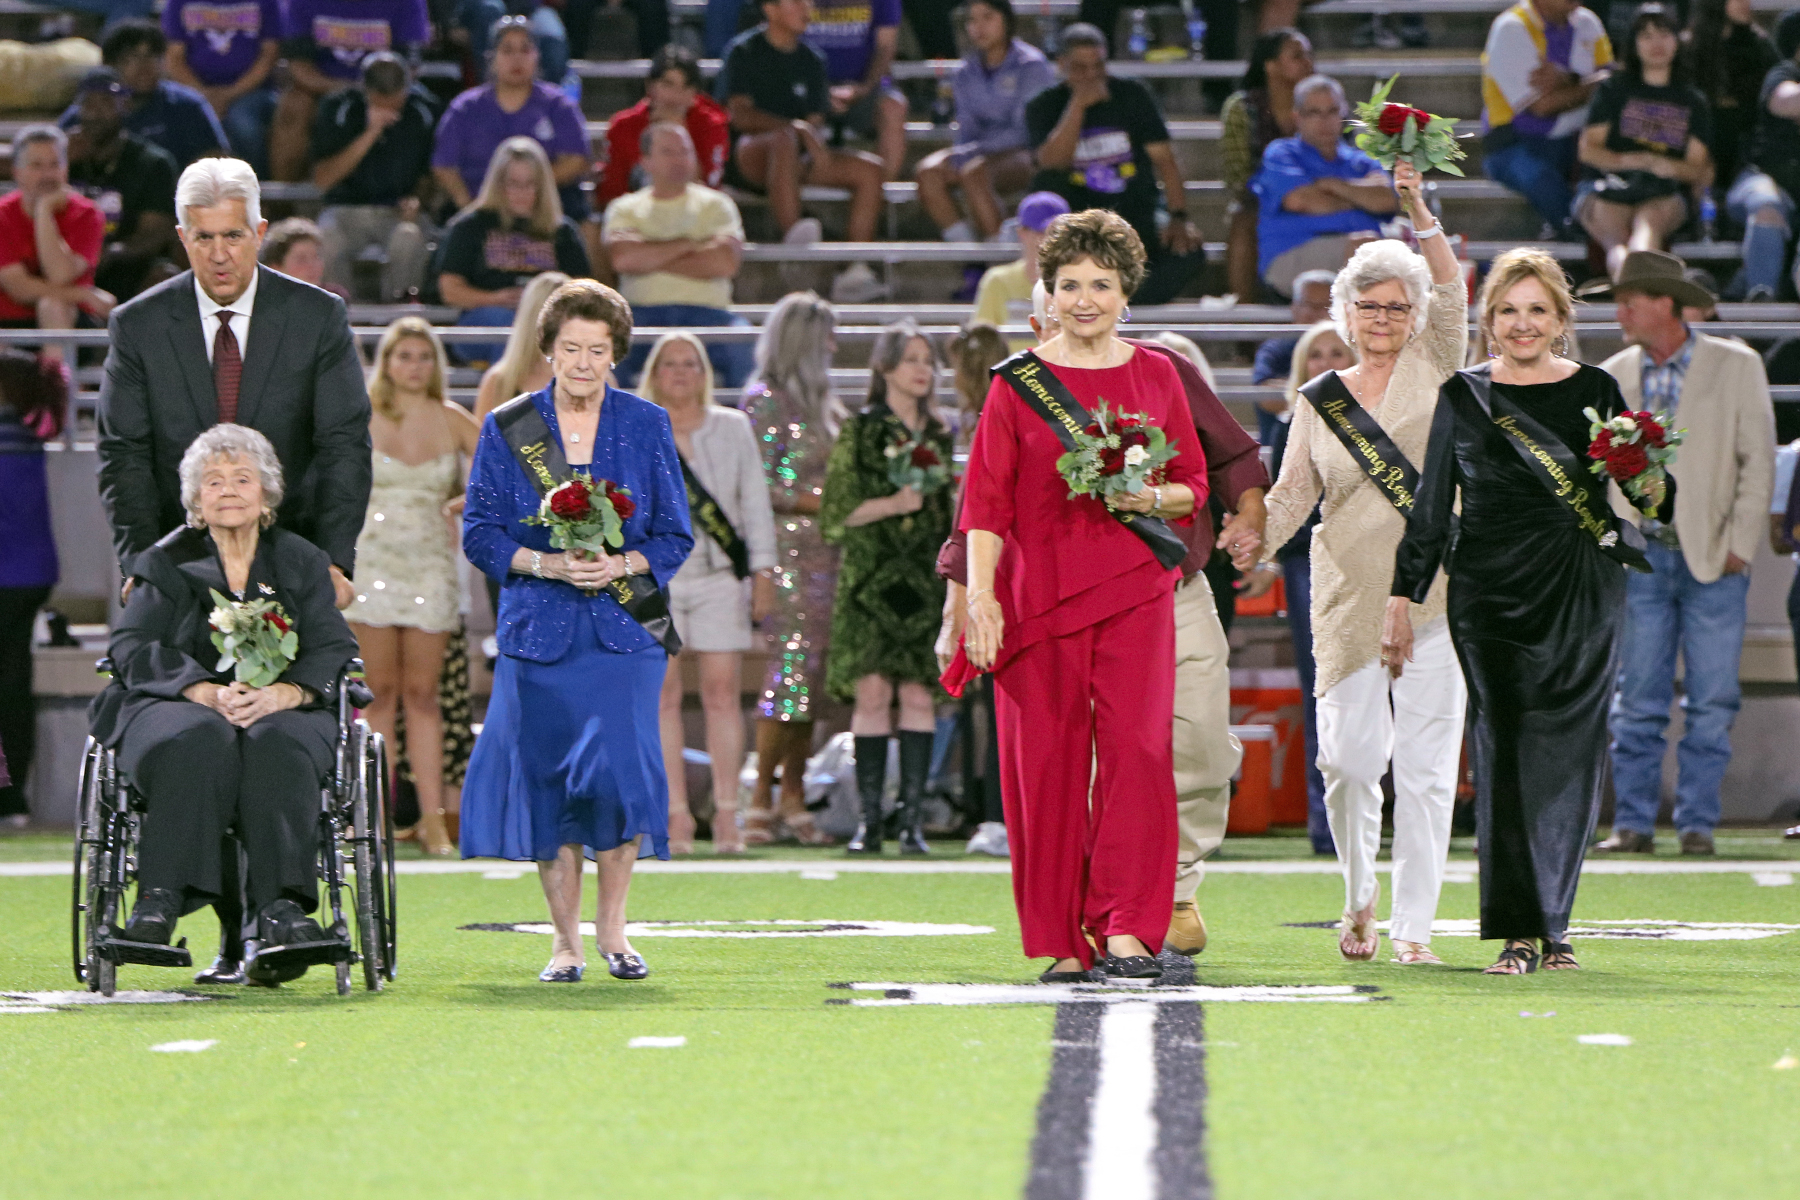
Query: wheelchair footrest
{"type": "Point", "coordinates": [146, 954]}
{"type": "Point", "coordinates": [307, 954]}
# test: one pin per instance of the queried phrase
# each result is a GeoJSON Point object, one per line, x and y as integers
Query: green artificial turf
{"type": "Point", "coordinates": [470, 1078]}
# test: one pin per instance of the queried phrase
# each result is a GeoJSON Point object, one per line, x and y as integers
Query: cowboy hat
{"type": "Point", "coordinates": [1657, 274]}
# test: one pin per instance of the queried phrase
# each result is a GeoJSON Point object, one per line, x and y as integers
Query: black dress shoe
{"type": "Point", "coordinates": [226, 972]}
{"type": "Point", "coordinates": [288, 943]}
{"type": "Point", "coordinates": [285, 923]}
{"type": "Point", "coordinates": [153, 917]}
{"type": "Point", "coordinates": [1055, 976]}
{"type": "Point", "coordinates": [1131, 966]}
{"type": "Point", "coordinates": [555, 974]}
{"type": "Point", "coordinates": [625, 966]}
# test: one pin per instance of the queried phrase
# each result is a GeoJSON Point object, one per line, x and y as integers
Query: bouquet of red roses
{"type": "Point", "coordinates": [1390, 132]}
{"type": "Point", "coordinates": [585, 515]}
{"type": "Point", "coordinates": [1634, 449]}
{"type": "Point", "coordinates": [1119, 453]}
{"type": "Point", "coordinates": [254, 638]}
{"type": "Point", "coordinates": [914, 463]}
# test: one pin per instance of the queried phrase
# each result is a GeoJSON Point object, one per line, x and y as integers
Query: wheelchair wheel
{"type": "Point", "coordinates": [373, 862]}
{"type": "Point", "coordinates": [89, 845]}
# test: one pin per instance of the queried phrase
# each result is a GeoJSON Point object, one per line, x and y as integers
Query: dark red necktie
{"type": "Point", "coordinates": [228, 369]}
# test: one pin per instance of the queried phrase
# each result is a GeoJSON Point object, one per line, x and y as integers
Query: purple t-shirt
{"type": "Point", "coordinates": [341, 33]}
{"type": "Point", "coordinates": [475, 125]}
{"type": "Point", "coordinates": [844, 32]}
{"type": "Point", "coordinates": [222, 37]}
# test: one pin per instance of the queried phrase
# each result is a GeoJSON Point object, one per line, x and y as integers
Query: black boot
{"type": "Point", "coordinates": [153, 917]}
{"type": "Point", "coordinates": [915, 768]}
{"type": "Point", "coordinates": [871, 778]}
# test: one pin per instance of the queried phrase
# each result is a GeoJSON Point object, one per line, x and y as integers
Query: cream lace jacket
{"type": "Point", "coordinates": [1353, 546]}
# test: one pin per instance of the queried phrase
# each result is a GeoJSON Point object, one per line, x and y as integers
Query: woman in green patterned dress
{"type": "Point", "coordinates": [888, 504]}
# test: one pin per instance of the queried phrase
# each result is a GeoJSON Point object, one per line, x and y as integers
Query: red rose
{"type": "Point", "coordinates": [1601, 446]}
{"type": "Point", "coordinates": [277, 622]}
{"type": "Point", "coordinates": [622, 504]}
{"type": "Point", "coordinates": [1094, 430]}
{"type": "Point", "coordinates": [1421, 118]}
{"type": "Point", "coordinates": [1393, 118]}
{"type": "Point", "coordinates": [571, 501]}
{"type": "Point", "coordinates": [1626, 462]}
{"type": "Point", "coordinates": [1112, 460]}
{"type": "Point", "coordinates": [924, 456]}
{"type": "Point", "coordinates": [1651, 429]}
{"type": "Point", "coordinates": [1133, 437]}
{"type": "Point", "coordinates": [1127, 423]}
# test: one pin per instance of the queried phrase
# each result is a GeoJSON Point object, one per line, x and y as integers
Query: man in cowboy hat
{"type": "Point", "coordinates": [1694, 602]}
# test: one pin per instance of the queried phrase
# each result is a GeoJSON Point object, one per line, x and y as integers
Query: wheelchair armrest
{"type": "Point", "coordinates": [353, 685]}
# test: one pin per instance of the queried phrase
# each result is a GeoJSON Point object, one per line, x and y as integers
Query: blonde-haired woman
{"type": "Point", "coordinates": [725, 584]}
{"type": "Point", "coordinates": [406, 605]}
{"type": "Point", "coordinates": [522, 366]}
{"type": "Point", "coordinates": [513, 231]}
{"type": "Point", "coordinates": [1405, 316]}
{"type": "Point", "coordinates": [1537, 599]}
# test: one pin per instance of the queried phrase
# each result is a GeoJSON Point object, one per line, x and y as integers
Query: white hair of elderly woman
{"type": "Point", "coordinates": [1377, 262]}
{"type": "Point", "coordinates": [230, 442]}
{"type": "Point", "coordinates": [209, 182]}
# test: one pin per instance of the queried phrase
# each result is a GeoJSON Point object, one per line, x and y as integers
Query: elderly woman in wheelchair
{"type": "Point", "coordinates": [208, 752]}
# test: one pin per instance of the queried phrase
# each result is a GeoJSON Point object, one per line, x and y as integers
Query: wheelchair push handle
{"type": "Point", "coordinates": [355, 685]}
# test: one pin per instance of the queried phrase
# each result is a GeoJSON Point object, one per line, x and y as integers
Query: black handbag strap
{"type": "Point", "coordinates": [1365, 440]}
{"type": "Point", "coordinates": [541, 456]}
{"type": "Point", "coordinates": [1047, 396]}
{"type": "Point", "coordinates": [1555, 466]}
{"type": "Point", "coordinates": [707, 514]}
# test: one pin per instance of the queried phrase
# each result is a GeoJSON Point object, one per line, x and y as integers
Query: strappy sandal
{"type": "Point", "coordinates": [725, 821]}
{"type": "Point", "coordinates": [1521, 959]}
{"type": "Point", "coordinates": [1414, 953]}
{"type": "Point", "coordinates": [1358, 939]}
{"type": "Point", "coordinates": [681, 832]}
{"type": "Point", "coordinates": [806, 832]}
{"type": "Point", "coordinates": [757, 822]}
{"type": "Point", "coordinates": [1559, 956]}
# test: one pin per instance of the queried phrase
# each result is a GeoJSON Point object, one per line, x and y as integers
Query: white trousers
{"type": "Point", "coordinates": [1416, 721]}
{"type": "Point", "coordinates": [1206, 752]}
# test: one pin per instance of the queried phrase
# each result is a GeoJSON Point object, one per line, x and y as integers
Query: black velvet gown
{"type": "Point", "coordinates": [1536, 613]}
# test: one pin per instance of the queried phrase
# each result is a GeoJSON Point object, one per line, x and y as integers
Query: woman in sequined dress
{"type": "Point", "coordinates": [795, 417]}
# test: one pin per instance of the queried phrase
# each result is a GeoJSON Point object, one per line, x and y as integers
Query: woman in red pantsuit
{"type": "Point", "coordinates": [1075, 615]}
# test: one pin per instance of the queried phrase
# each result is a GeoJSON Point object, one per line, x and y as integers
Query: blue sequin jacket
{"type": "Point", "coordinates": [634, 447]}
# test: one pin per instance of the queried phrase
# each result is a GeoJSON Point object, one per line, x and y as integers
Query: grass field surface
{"type": "Point", "coordinates": [470, 1078]}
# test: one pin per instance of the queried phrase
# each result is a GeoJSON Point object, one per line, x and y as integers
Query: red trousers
{"type": "Point", "coordinates": [1092, 849]}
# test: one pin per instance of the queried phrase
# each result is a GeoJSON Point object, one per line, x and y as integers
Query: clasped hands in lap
{"type": "Point", "coordinates": [242, 705]}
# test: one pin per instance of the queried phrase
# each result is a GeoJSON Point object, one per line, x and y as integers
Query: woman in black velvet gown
{"type": "Point", "coordinates": [1537, 602]}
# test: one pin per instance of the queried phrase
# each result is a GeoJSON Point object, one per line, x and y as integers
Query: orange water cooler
{"type": "Point", "coordinates": [1271, 788]}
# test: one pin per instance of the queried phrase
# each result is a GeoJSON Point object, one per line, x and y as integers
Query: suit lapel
{"type": "Point", "coordinates": [188, 341]}
{"type": "Point", "coordinates": [265, 344]}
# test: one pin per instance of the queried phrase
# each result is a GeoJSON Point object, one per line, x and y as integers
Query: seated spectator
{"type": "Point", "coordinates": [324, 43]}
{"type": "Point", "coordinates": [1101, 143]}
{"type": "Point", "coordinates": [858, 39]}
{"type": "Point", "coordinates": [295, 246]}
{"type": "Point", "coordinates": [513, 104]}
{"type": "Point", "coordinates": [1537, 78]}
{"type": "Point", "coordinates": [1699, 314]}
{"type": "Point", "coordinates": [1261, 110]}
{"type": "Point", "coordinates": [672, 92]}
{"type": "Point", "coordinates": [1317, 195]}
{"type": "Point", "coordinates": [50, 240]}
{"type": "Point", "coordinates": [999, 75]}
{"type": "Point", "coordinates": [162, 112]}
{"type": "Point", "coordinates": [479, 21]}
{"type": "Point", "coordinates": [1274, 358]}
{"type": "Point", "coordinates": [513, 230]}
{"type": "Point", "coordinates": [774, 87]}
{"type": "Point", "coordinates": [1646, 144]}
{"type": "Point", "coordinates": [1763, 195]}
{"type": "Point", "coordinates": [132, 183]}
{"type": "Point", "coordinates": [1004, 295]}
{"type": "Point", "coordinates": [676, 246]}
{"type": "Point", "coordinates": [227, 51]}
{"type": "Point", "coordinates": [372, 149]}
{"type": "Point", "coordinates": [1729, 55]}
{"type": "Point", "coordinates": [652, 25]}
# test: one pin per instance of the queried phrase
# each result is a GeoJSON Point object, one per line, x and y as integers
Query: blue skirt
{"type": "Point", "coordinates": [570, 754]}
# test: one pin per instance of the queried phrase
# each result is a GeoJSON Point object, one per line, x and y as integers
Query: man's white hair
{"type": "Point", "coordinates": [1321, 83]}
{"type": "Point", "coordinates": [1377, 262]}
{"type": "Point", "coordinates": [209, 182]}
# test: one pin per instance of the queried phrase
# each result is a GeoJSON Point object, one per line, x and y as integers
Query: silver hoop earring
{"type": "Point", "coordinates": [1560, 347]}
{"type": "Point", "coordinates": [1126, 318]}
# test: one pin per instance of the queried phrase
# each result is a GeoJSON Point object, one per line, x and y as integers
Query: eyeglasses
{"type": "Point", "coordinates": [1369, 310]}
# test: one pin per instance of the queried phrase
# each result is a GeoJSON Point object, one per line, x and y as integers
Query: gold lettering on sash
{"type": "Point", "coordinates": [1566, 490]}
{"type": "Point", "coordinates": [533, 453]}
{"type": "Point", "coordinates": [1388, 479]}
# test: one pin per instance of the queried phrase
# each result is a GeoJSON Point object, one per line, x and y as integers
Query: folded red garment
{"type": "Point", "coordinates": [960, 673]}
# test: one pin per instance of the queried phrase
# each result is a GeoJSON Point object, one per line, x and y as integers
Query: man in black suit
{"type": "Point", "coordinates": [229, 341]}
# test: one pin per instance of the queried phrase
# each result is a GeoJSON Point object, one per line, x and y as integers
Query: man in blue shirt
{"type": "Point", "coordinates": [1318, 196]}
{"type": "Point", "coordinates": [162, 112]}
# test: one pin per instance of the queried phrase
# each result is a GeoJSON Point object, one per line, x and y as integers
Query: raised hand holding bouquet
{"type": "Point", "coordinates": [913, 463]}
{"type": "Point", "coordinates": [1118, 454]}
{"type": "Point", "coordinates": [1634, 449]}
{"type": "Point", "coordinates": [585, 516]}
{"type": "Point", "coordinates": [254, 638]}
{"type": "Point", "coordinates": [1390, 132]}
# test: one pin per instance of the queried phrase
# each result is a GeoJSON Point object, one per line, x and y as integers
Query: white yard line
{"type": "Point", "coordinates": [1122, 1131]}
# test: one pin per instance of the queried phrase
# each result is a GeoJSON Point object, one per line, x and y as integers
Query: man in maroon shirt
{"type": "Point", "coordinates": [50, 239]}
{"type": "Point", "coordinates": [1206, 752]}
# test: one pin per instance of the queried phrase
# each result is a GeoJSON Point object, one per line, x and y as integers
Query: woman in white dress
{"type": "Point", "coordinates": [407, 599]}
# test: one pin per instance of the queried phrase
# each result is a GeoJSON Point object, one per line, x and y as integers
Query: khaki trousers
{"type": "Point", "coordinates": [1206, 752]}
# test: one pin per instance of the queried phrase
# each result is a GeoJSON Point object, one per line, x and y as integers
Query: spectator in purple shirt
{"type": "Point", "coordinates": [163, 113]}
{"type": "Point", "coordinates": [858, 39]}
{"type": "Point", "coordinates": [325, 42]}
{"type": "Point", "coordinates": [226, 51]}
{"type": "Point", "coordinates": [990, 155]}
{"type": "Point", "coordinates": [513, 104]}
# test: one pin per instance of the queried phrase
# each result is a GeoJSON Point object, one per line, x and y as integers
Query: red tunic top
{"type": "Point", "coordinates": [1068, 563]}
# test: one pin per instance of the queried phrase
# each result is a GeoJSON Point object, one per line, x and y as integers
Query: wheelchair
{"type": "Point", "coordinates": [356, 852]}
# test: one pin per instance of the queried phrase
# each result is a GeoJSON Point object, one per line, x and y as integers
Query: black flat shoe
{"type": "Point", "coordinates": [866, 841]}
{"type": "Point", "coordinates": [1131, 966]}
{"type": "Point", "coordinates": [224, 972]}
{"type": "Point", "coordinates": [555, 974]}
{"type": "Point", "coordinates": [625, 966]}
{"type": "Point", "coordinates": [153, 917]}
{"type": "Point", "coordinates": [1055, 976]}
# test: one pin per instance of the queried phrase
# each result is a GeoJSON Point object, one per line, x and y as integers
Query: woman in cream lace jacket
{"type": "Point", "coordinates": [1406, 316]}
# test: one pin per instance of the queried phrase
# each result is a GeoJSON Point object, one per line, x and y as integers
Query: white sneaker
{"type": "Point", "coordinates": [803, 232]}
{"type": "Point", "coordinates": [962, 231]}
{"type": "Point", "coordinates": [857, 285]}
{"type": "Point", "coordinates": [990, 838]}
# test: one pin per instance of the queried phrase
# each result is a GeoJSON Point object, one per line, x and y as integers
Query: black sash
{"type": "Point", "coordinates": [1555, 466]}
{"type": "Point", "coordinates": [706, 513]}
{"type": "Point", "coordinates": [1365, 439]}
{"type": "Point", "coordinates": [1049, 399]}
{"type": "Point", "coordinates": [528, 436]}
